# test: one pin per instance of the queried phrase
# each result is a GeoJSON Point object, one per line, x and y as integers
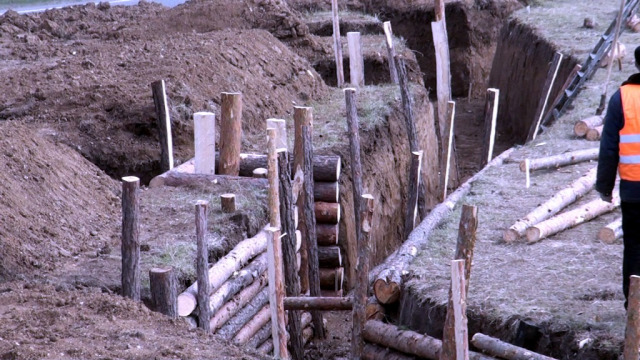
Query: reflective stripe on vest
{"type": "Point", "coordinates": [629, 167]}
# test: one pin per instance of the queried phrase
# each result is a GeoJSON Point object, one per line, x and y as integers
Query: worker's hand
{"type": "Point", "coordinates": [605, 197]}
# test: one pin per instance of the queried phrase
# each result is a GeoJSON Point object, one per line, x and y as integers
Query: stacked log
{"type": "Point", "coordinates": [581, 127]}
{"type": "Point", "coordinates": [612, 232]}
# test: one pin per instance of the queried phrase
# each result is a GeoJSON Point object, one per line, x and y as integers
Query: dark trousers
{"type": "Point", "coordinates": [631, 254]}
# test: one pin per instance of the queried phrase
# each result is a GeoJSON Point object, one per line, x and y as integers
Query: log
{"type": "Point", "coordinates": [458, 286]}
{"type": "Point", "coordinates": [581, 127]}
{"type": "Point", "coordinates": [552, 206]}
{"type": "Point", "coordinates": [266, 347]}
{"type": "Point", "coordinates": [374, 311]}
{"type": "Point", "coordinates": [412, 197]}
{"type": "Point", "coordinates": [202, 265]}
{"type": "Point", "coordinates": [391, 51]}
{"type": "Point", "coordinates": [223, 269]}
{"type": "Point", "coordinates": [570, 219]}
{"type": "Point", "coordinates": [490, 118]}
{"type": "Point", "coordinates": [260, 337]}
{"type": "Point", "coordinates": [260, 173]}
{"type": "Point", "coordinates": [274, 184]}
{"type": "Point", "coordinates": [331, 279]}
{"type": "Point", "coordinates": [277, 294]}
{"type": "Point", "coordinates": [318, 303]}
{"type": "Point", "coordinates": [228, 203]}
{"type": "Point", "coordinates": [252, 326]}
{"type": "Point", "coordinates": [237, 322]}
{"type": "Point", "coordinates": [177, 179]}
{"type": "Point", "coordinates": [375, 352]}
{"type": "Point", "coordinates": [503, 350]}
{"type": "Point", "coordinates": [238, 302]}
{"type": "Point", "coordinates": [329, 256]}
{"type": "Point", "coordinates": [280, 125]}
{"type": "Point", "coordinates": [230, 134]}
{"type": "Point", "coordinates": [612, 232]}
{"type": "Point", "coordinates": [632, 332]}
{"type": "Point", "coordinates": [556, 161]}
{"type": "Point", "coordinates": [326, 191]}
{"type": "Point", "coordinates": [204, 133]}
{"type": "Point", "coordinates": [356, 61]}
{"type": "Point", "coordinates": [595, 133]}
{"type": "Point", "coordinates": [163, 121]}
{"type": "Point", "coordinates": [388, 285]}
{"type": "Point", "coordinates": [327, 213]}
{"type": "Point", "coordinates": [327, 234]}
{"type": "Point", "coordinates": [130, 245]}
{"type": "Point", "coordinates": [326, 168]}
{"type": "Point", "coordinates": [164, 291]}
{"type": "Point", "coordinates": [337, 44]}
{"type": "Point", "coordinates": [302, 116]}
{"type": "Point", "coordinates": [546, 91]}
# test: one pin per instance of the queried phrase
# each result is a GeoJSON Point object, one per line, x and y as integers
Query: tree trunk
{"type": "Point", "coordinates": [331, 278]}
{"type": "Point", "coordinates": [391, 51]}
{"type": "Point", "coordinates": [556, 161]}
{"type": "Point", "coordinates": [223, 269]}
{"type": "Point", "coordinates": [230, 134]}
{"type": "Point", "coordinates": [327, 213]}
{"type": "Point", "coordinates": [595, 133]}
{"type": "Point", "coordinates": [163, 121]}
{"type": "Point", "coordinates": [239, 302]}
{"type": "Point", "coordinates": [178, 179]}
{"type": "Point", "coordinates": [318, 303]}
{"type": "Point", "coordinates": [361, 292]}
{"type": "Point", "coordinates": [337, 44]}
{"type": "Point", "coordinates": [277, 294]}
{"type": "Point", "coordinates": [375, 352]}
{"type": "Point", "coordinates": [552, 206]}
{"type": "Point", "coordinates": [302, 116]}
{"type": "Point", "coordinates": [326, 191]}
{"type": "Point", "coordinates": [274, 184]}
{"type": "Point", "coordinates": [202, 265]}
{"type": "Point", "coordinates": [164, 290]}
{"type": "Point", "coordinates": [503, 350]}
{"type": "Point", "coordinates": [228, 203]}
{"type": "Point", "coordinates": [329, 256]}
{"type": "Point", "coordinates": [326, 168]}
{"type": "Point", "coordinates": [252, 326]}
{"type": "Point", "coordinates": [570, 219]}
{"type": "Point", "coordinates": [581, 128]}
{"type": "Point", "coordinates": [632, 333]}
{"type": "Point", "coordinates": [231, 327]}
{"type": "Point", "coordinates": [130, 246]}
{"type": "Point", "coordinates": [327, 234]}
{"type": "Point", "coordinates": [388, 285]}
{"type": "Point", "coordinates": [612, 232]}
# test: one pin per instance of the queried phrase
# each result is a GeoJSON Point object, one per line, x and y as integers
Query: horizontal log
{"type": "Point", "coordinates": [374, 310]}
{"type": "Point", "coordinates": [503, 350]}
{"type": "Point", "coordinates": [238, 282]}
{"type": "Point", "coordinates": [260, 337]}
{"type": "Point", "coordinates": [332, 279]}
{"type": "Point", "coordinates": [327, 234]}
{"type": "Point", "coordinates": [595, 133]}
{"type": "Point", "coordinates": [329, 256]}
{"type": "Point", "coordinates": [240, 319]}
{"type": "Point", "coordinates": [317, 303]}
{"type": "Point", "coordinates": [375, 352]}
{"type": "Point", "coordinates": [238, 302]}
{"type": "Point", "coordinates": [612, 232]}
{"type": "Point", "coordinates": [252, 327]}
{"type": "Point", "coordinates": [178, 179]}
{"type": "Point", "coordinates": [326, 191]}
{"type": "Point", "coordinates": [325, 167]}
{"type": "Point", "coordinates": [388, 285]}
{"type": "Point", "coordinates": [327, 213]}
{"type": "Point", "coordinates": [556, 161]}
{"type": "Point", "coordinates": [582, 127]}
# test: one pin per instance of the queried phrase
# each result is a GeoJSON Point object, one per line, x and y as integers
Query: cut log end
{"type": "Point", "coordinates": [533, 234]}
{"type": "Point", "coordinates": [510, 236]}
{"type": "Point", "coordinates": [386, 293]}
{"type": "Point", "coordinates": [186, 304]}
{"type": "Point", "coordinates": [607, 236]}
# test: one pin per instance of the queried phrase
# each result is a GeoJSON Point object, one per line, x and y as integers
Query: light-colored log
{"type": "Point", "coordinates": [556, 161]}
{"type": "Point", "coordinates": [546, 89]}
{"type": "Point", "coordinates": [281, 132]}
{"type": "Point", "coordinates": [327, 213]}
{"type": "Point", "coordinates": [252, 327]}
{"type": "Point", "coordinates": [204, 132]}
{"type": "Point", "coordinates": [318, 303]}
{"type": "Point", "coordinates": [260, 173]}
{"type": "Point", "coordinates": [238, 302]}
{"type": "Point", "coordinates": [581, 127]}
{"type": "Point", "coordinates": [237, 322]}
{"type": "Point", "coordinates": [337, 43]}
{"type": "Point", "coordinates": [266, 347]}
{"type": "Point", "coordinates": [451, 161]}
{"type": "Point", "coordinates": [130, 243]}
{"type": "Point", "coordinates": [595, 133]}
{"type": "Point", "coordinates": [202, 265]}
{"type": "Point", "coordinates": [490, 118]}
{"type": "Point", "coordinates": [302, 116]}
{"type": "Point", "coordinates": [274, 183]}
{"type": "Point", "coordinates": [277, 294]}
{"type": "Point", "coordinates": [503, 350]}
{"type": "Point", "coordinates": [164, 291]}
{"type": "Point", "coordinates": [612, 232]}
{"type": "Point", "coordinates": [327, 234]}
{"type": "Point", "coordinates": [163, 122]}
{"type": "Point", "coordinates": [329, 256]}
{"type": "Point", "coordinates": [557, 202]}
{"type": "Point", "coordinates": [388, 285]}
{"type": "Point", "coordinates": [260, 337]}
{"type": "Point", "coordinates": [356, 61]}
{"type": "Point", "coordinates": [570, 219]}
{"type": "Point", "coordinates": [391, 51]}
{"type": "Point", "coordinates": [223, 269]}
{"type": "Point", "coordinates": [632, 333]}
{"type": "Point", "coordinates": [228, 203]}
{"type": "Point", "coordinates": [459, 299]}
{"type": "Point", "coordinates": [230, 134]}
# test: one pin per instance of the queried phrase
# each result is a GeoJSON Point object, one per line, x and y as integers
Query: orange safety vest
{"type": "Point", "coordinates": [629, 167]}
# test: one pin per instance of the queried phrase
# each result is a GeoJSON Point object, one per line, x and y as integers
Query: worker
{"type": "Point", "coordinates": [620, 150]}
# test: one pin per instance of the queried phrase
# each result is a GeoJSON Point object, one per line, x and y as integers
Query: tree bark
{"type": "Point", "coordinates": [337, 44]}
{"type": "Point", "coordinates": [391, 51]}
{"type": "Point", "coordinates": [228, 203]}
{"type": "Point", "coordinates": [331, 278]}
{"type": "Point", "coordinates": [552, 206]}
{"type": "Point", "coordinates": [163, 122]}
{"type": "Point", "coordinates": [375, 352]}
{"type": "Point", "coordinates": [326, 191]}
{"type": "Point", "coordinates": [223, 269]}
{"type": "Point", "coordinates": [252, 326]}
{"type": "Point", "coordinates": [556, 161]}
{"type": "Point", "coordinates": [329, 256]}
{"type": "Point", "coordinates": [164, 291]}
{"type": "Point", "coordinates": [130, 246]}
{"type": "Point", "coordinates": [412, 196]}
{"type": "Point", "coordinates": [612, 232]}
{"type": "Point", "coordinates": [274, 185]}
{"type": "Point", "coordinates": [490, 115]}
{"type": "Point", "coordinates": [582, 127]}
{"type": "Point", "coordinates": [302, 116]}
{"type": "Point", "coordinates": [260, 337]}
{"type": "Point", "coordinates": [232, 307]}
{"type": "Point", "coordinates": [503, 350]}
{"type": "Point", "coordinates": [595, 133]}
{"type": "Point", "coordinates": [459, 296]}
{"type": "Point", "coordinates": [230, 134]}
{"type": "Point", "coordinates": [570, 219]}
{"type": "Point", "coordinates": [632, 332]}
{"type": "Point", "coordinates": [356, 61]}
{"type": "Point", "coordinates": [374, 311]}
{"type": "Point", "coordinates": [327, 234]}
{"type": "Point", "coordinates": [327, 213]}
{"type": "Point", "coordinates": [237, 322]}
{"type": "Point", "coordinates": [202, 265]}
{"type": "Point", "coordinates": [277, 294]}
{"type": "Point", "coordinates": [318, 303]}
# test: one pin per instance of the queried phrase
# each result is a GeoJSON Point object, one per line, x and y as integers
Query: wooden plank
{"type": "Point", "coordinates": [451, 161]}
{"type": "Point", "coordinates": [281, 132]}
{"type": "Point", "coordinates": [412, 198]}
{"type": "Point", "coordinates": [443, 84]}
{"type": "Point", "coordinates": [204, 132]}
{"type": "Point", "coordinates": [230, 134]}
{"type": "Point", "coordinates": [130, 246]}
{"type": "Point", "coordinates": [274, 185]}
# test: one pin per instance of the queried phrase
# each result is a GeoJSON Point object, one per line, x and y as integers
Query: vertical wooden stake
{"type": "Point", "coordinates": [632, 333]}
{"type": "Point", "coordinates": [302, 116]}
{"type": "Point", "coordinates": [362, 284]}
{"type": "Point", "coordinates": [164, 291]}
{"type": "Point", "coordinates": [542, 103]}
{"type": "Point", "coordinates": [490, 116]}
{"type": "Point", "coordinates": [276, 294]}
{"type": "Point", "coordinates": [438, 8]}
{"type": "Point", "coordinates": [310, 228]}
{"type": "Point", "coordinates": [356, 173]}
{"type": "Point", "coordinates": [458, 285]}
{"type": "Point", "coordinates": [202, 265]}
{"type": "Point", "coordinates": [230, 134]}
{"type": "Point", "coordinates": [391, 51]}
{"type": "Point", "coordinates": [204, 132]}
{"type": "Point", "coordinates": [527, 170]}
{"type": "Point", "coordinates": [451, 106]}
{"type": "Point", "coordinates": [356, 61]}
{"type": "Point", "coordinates": [281, 132]}
{"type": "Point", "coordinates": [159, 92]}
{"type": "Point", "coordinates": [130, 246]}
{"type": "Point", "coordinates": [274, 187]}
{"type": "Point", "coordinates": [228, 203]}
{"type": "Point", "coordinates": [412, 198]}
{"type": "Point", "coordinates": [337, 43]}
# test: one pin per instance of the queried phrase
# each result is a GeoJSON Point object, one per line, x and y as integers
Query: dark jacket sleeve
{"type": "Point", "coordinates": [609, 145]}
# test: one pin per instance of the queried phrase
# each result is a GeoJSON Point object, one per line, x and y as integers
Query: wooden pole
{"type": "Point", "coordinates": [356, 61]}
{"type": "Point", "coordinates": [230, 134]}
{"type": "Point", "coordinates": [412, 198]}
{"type": "Point", "coordinates": [458, 286]}
{"type": "Point", "coordinates": [318, 303]}
{"type": "Point", "coordinates": [556, 161]}
{"type": "Point", "coordinates": [362, 283]}
{"type": "Point", "coordinates": [503, 350]}
{"type": "Point", "coordinates": [164, 291]}
{"type": "Point", "coordinates": [542, 103]}
{"type": "Point", "coordinates": [277, 294]}
{"type": "Point", "coordinates": [202, 265]}
{"type": "Point", "coordinates": [274, 186]}
{"type": "Point", "coordinates": [490, 117]}
{"type": "Point", "coordinates": [603, 97]}
{"type": "Point", "coordinates": [527, 165]}
{"type": "Point", "coordinates": [281, 132]}
{"type": "Point", "coordinates": [337, 44]}
{"type": "Point", "coordinates": [204, 132]}
{"type": "Point", "coordinates": [632, 332]}
{"type": "Point", "coordinates": [228, 203]}
{"type": "Point", "coordinates": [310, 228]}
{"type": "Point", "coordinates": [327, 234]}
{"type": "Point", "coordinates": [451, 114]}
{"type": "Point", "coordinates": [289, 238]}
{"type": "Point", "coordinates": [130, 246]}
{"type": "Point", "coordinates": [582, 127]}
{"type": "Point", "coordinates": [159, 92]}
{"type": "Point", "coordinates": [302, 116]}
{"type": "Point", "coordinates": [391, 51]}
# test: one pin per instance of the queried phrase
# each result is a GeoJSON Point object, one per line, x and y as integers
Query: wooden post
{"type": "Point", "coordinates": [356, 61]}
{"type": "Point", "coordinates": [310, 228]}
{"type": "Point", "coordinates": [458, 286]}
{"type": "Point", "coordinates": [130, 246]}
{"type": "Point", "coordinates": [228, 203]}
{"type": "Point", "coordinates": [159, 92]}
{"type": "Point", "coordinates": [362, 283]}
{"type": "Point", "coordinates": [337, 43]}
{"type": "Point", "coordinates": [164, 291]}
{"type": "Point", "coordinates": [438, 8]}
{"type": "Point", "coordinates": [527, 165]}
{"type": "Point", "coordinates": [412, 198]}
{"type": "Point", "coordinates": [202, 265]}
{"type": "Point", "coordinates": [451, 114]}
{"type": "Point", "coordinates": [230, 134]}
{"type": "Point", "coordinates": [302, 116]}
{"type": "Point", "coordinates": [281, 132]}
{"type": "Point", "coordinates": [542, 103]}
{"type": "Point", "coordinates": [204, 132]}
{"type": "Point", "coordinates": [490, 116]}
{"type": "Point", "coordinates": [632, 333]}
{"type": "Point", "coordinates": [289, 239]}
{"type": "Point", "coordinates": [391, 51]}
{"type": "Point", "coordinates": [274, 186]}
{"type": "Point", "coordinates": [277, 294]}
